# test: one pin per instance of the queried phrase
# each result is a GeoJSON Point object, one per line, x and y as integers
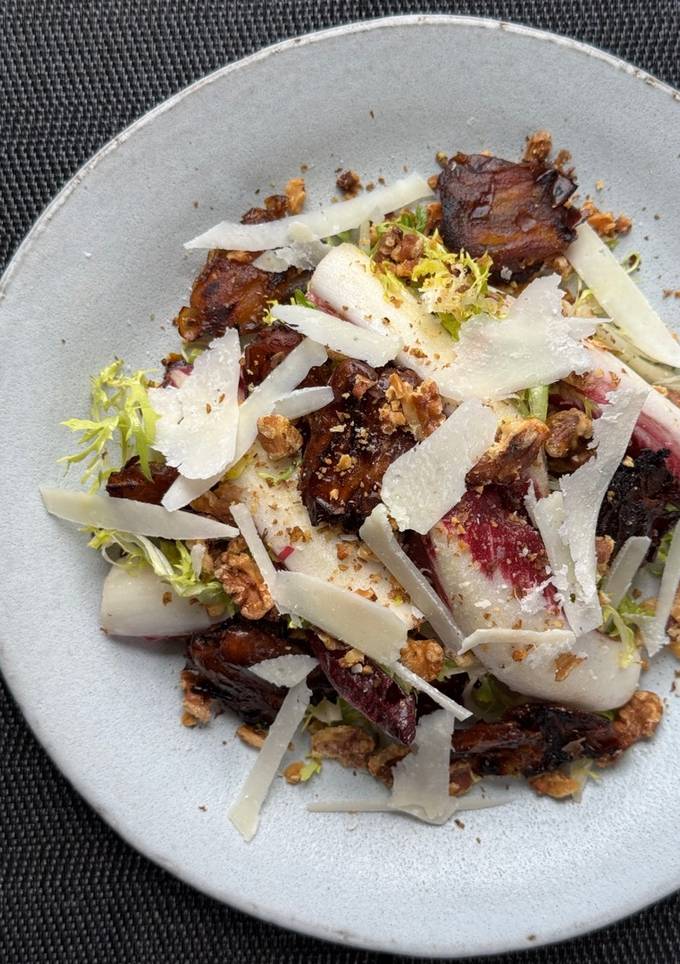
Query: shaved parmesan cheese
{"type": "Point", "coordinates": [378, 536]}
{"type": "Point", "coordinates": [420, 782]}
{"type": "Point", "coordinates": [300, 254]}
{"type": "Point", "coordinates": [620, 297]}
{"type": "Point", "coordinates": [422, 485]}
{"type": "Point", "coordinates": [324, 223]}
{"type": "Point", "coordinates": [628, 560]}
{"type": "Point", "coordinates": [304, 401]}
{"type": "Point", "coordinates": [244, 520]}
{"type": "Point", "coordinates": [458, 805]}
{"type": "Point", "coordinates": [585, 488]}
{"type": "Point", "coordinates": [446, 703]}
{"type": "Point", "coordinates": [136, 602]}
{"type": "Point", "coordinates": [245, 813]}
{"type": "Point", "coordinates": [345, 281]}
{"type": "Point", "coordinates": [197, 425]}
{"type": "Point", "coordinates": [286, 670]}
{"type": "Point", "coordinates": [281, 382]}
{"type": "Point", "coordinates": [535, 344]}
{"type": "Point", "coordinates": [365, 625]}
{"type": "Point", "coordinates": [374, 347]}
{"type": "Point", "coordinates": [127, 515]}
{"type": "Point", "coordinates": [322, 551]}
{"type": "Point", "coordinates": [654, 627]}
{"type": "Point", "coordinates": [548, 517]}
{"type": "Point", "coordinates": [558, 640]}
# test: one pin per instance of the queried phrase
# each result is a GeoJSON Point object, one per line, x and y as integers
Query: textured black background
{"type": "Point", "coordinates": [71, 76]}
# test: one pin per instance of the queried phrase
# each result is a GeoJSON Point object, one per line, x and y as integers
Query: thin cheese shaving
{"type": "Point", "coordinates": [245, 813]}
{"type": "Point", "coordinates": [551, 638]}
{"type": "Point", "coordinates": [422, 485]}
{"type": "Point", "coordinates": [421, 780]}
{"type": "Point", "coordinates": [378, 536]}
{"type": "Point", "coordinates": [374, 347]}
{"type": "Point", "coordinates": [362, 624]}
{"type": "Point", "coordinates": [244, 520]}
{"type": "Point", "coordinates": [303, 401]}
{"type": "Point", "coordinates": [196, 430]}
{"type": "Point", "coordinates": [446, 703]}
{"type": "Point", "coordinates": [654, 627]}
{"type": "Point", "coordinates": [280, 383]}
{"type": "Point", "coordinates": [585, 488]}
{"type": "Point", "coordinates": [325, 223]}
{"type": "Point", "coordinates": [300, 254]}
{"type": "Point", "coordinates": [127, 515]}
{"type": "Point", "coordinates": [138, 603]}
{"type": "Point", "coordinates": [628, 560]}
{"type": "Point", "coordinates": [288, 670]}
{"type": "Point", "coordinates": [345, 281]}
{"type": "Point", "coordinates": [620, 297]}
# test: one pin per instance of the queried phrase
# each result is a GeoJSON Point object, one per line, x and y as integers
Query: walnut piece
{"type": "Point", "coordinates": [349, 183]}
{"type": "Point", "coordinates": [567, 445]}
{"type": "Point", "coordinates": [538, 147]}
{"type": "Point", "coordinates": [349, 745]}
{"type": "Point", "coordinates": [461, 778]}
{"type": "Point", "coordinates": [295, 192]}
{"type": "Point", "coordinates": [381, 762]}
{"type": "Point", "coordinates": [564, 664]}
{"type": "Point", "coordinates": [400, 249]}
{"type": "Point", "coordinates": [251, 736]}
{"type": "Point", "coordinates": [424, 657]}
{"type": "Point", "coordinates": [517, 446]}
{"type": "Point", "coordinates": [292, 773]}
{"type": "Point", "coordinates": [420, 409]}
{"type": "Point", "coordinates": [639, 718]}
{"type": "Point", "coordinates": [556, 784]}
{"type": "Point", "coordinates": [197, 708]}
{"type": "Point", "coordinates": [604, 222]}
{"type": "Point", "coordinates": [218, 501]}
{"type": "Point", "coordinates": [278, 436]}
{"type": "Point", "coordinates": [241, 578]}
{"type": "Point", "coordinates": [604, 547]}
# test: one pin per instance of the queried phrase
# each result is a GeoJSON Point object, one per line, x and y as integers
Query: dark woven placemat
{"type": "Point", "coordinates": [72, 74]}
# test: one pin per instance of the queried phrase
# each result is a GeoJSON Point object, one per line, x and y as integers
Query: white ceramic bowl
{"type": "Point", "coordinates": [102, 273]}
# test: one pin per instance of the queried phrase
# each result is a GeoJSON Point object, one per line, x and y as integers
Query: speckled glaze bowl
{"type": "Point", "coordinates": [102, 274]}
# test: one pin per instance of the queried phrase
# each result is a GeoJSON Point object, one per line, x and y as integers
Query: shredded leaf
{"type": "Point", "coordinates": [171, 561]}
{"type": "Point", "coordinates": [656, 567]}
{"type": "Point", "coordinates": [490, 698]}
{"type": "Point", "coordinates": [282, 476]}
{"type": "Point", "coordinates": [311, 767]}
{"type": "Point", "coordinates": [537, 401]}
{"type": "Point", "coordinates": [619, 623]}
{"type": "Point", "coordinates": [120, 415]}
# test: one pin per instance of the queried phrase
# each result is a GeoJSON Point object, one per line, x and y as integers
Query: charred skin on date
{"type": "Point", "coordinates": [515, 212]}
{"type": "Point", "coordinates": [131, 483]}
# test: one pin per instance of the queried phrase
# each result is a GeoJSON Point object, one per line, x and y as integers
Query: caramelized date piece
{"type": "Point", "coordinates": [222, 657]}
{"type": "Point", "coordinates": [231, 294]}
{"type": "Point", "coordinates": [373, 693]}
{"type": "Point", "coordinates": [515, 212]}
{"type": "Point", "coordinates": [535, 738]}
{"type": "Point", "coordinates": [348, 451]}
{"type": "Point", "coordinates": [267, 349]}
{"type": "Point", "coordinates": [275, 207]}
{"type": "Point", "coordinates": [131, 483]}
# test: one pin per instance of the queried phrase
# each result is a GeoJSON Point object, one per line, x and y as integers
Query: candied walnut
{"type": "Point", "coordinates": [293, 772]}
{"type": "Point", "coordinates": [434, 217]}
{"type": "Point", "coordinates": [424, 657]}
{"type": "Point", "coordinates": [517, 446]}
{"type": "Point", "coordinates": [557, 785]}
{"type": "Point", "coordinates": [131, 483]}
{"type": "Point", "coordinates": [218, 501]}
{"type": "Point", "coordinates": [567, 444]}
{"type": "Point", "coordinates": [604, 222]}
{"type": "Point", "coordinates": [538, 147]}
{"type": "Point", "coordinates": [348, 182]}
{"type": "Point", "coordinates": [419, 409]}
{"type": "Point", "coordinates": [381, 763]}
{"type": "Point", "coordinates": [238, 573]}
{"type": "Point", "coordinates": [349, 745]}
{"type": "Point", "coordinates": [461, 778]}
{"type": "Point", "coordinates": [515, 212]}
{"type": "Point", "coordinates": [296, 194]}
{"type": "Point", "coordinates": [222, 656]}
{"type": "Point", "coordinates": [278, 436]}
{"type": "Point", "coordinates": [639, 718]}
{"type": "Point", "coordinates": [251, 736]}
{"type": "Point", "coordinates": [604, 547]}
{"type": "Point", "coordinates": [564, 664]}
{"type": "Point", "coordinates": [197, 707]}
{"type": "Point", "coordinates": [351, 425]}
{"type": "Point", "coordinates": [399, 251]}
{"type": "Point", "coordinates": [275, 208]}
{"type": "Point", "coordinates": [231, 294]}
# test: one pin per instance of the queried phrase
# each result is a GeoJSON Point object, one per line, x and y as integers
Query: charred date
{"type": "Point", "coordinates": [373, 693]}
{"type": "Point", "coordinates": [535, 738]}
{"type": "Point", "coordinates": [515, 212]}
{"type": "Point", "coordinates": [348, 452]}
{"type": "Point", "coordinates": [267, 349]}
{"type": "Point", "coordinates": [232, 294]}
{"type": "Point", "coordinates": [222, 656]}
{"type": "Point", "coordinates": [131, 483]}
